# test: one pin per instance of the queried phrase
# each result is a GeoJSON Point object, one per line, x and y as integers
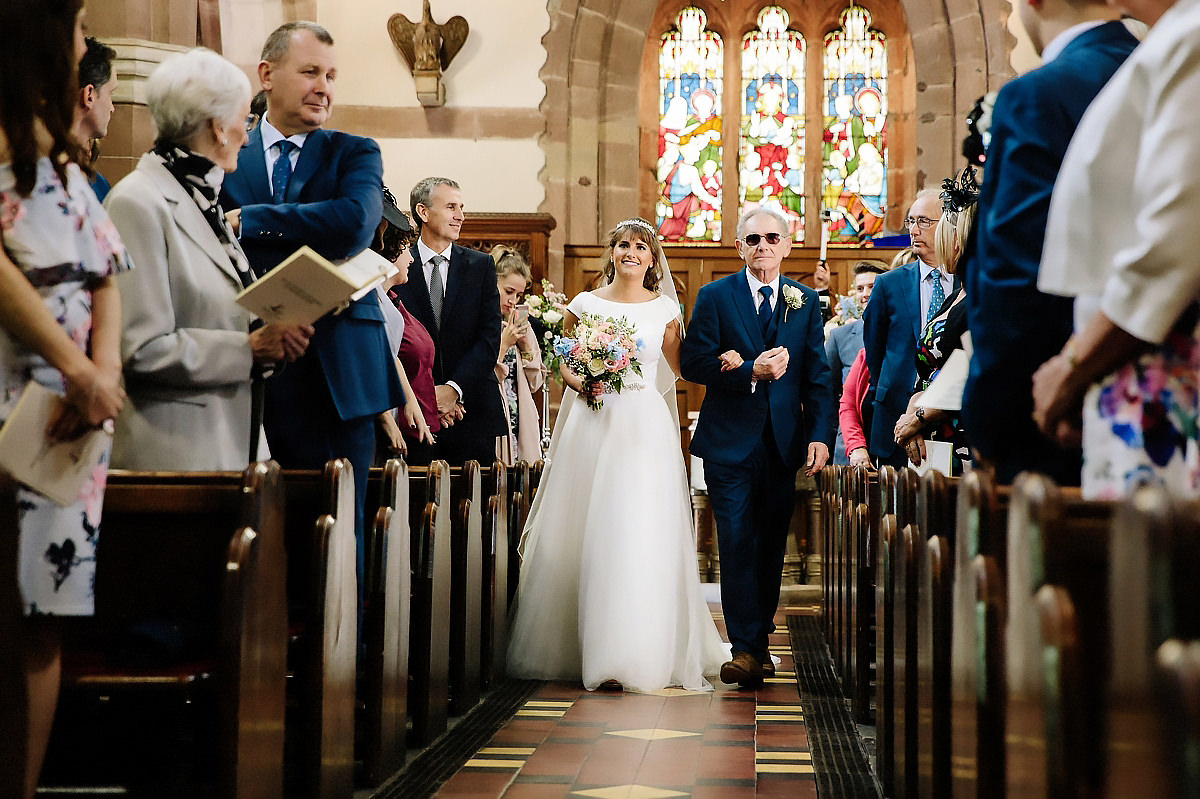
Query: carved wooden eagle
{"type": "Point", "coordinates": [427, 45]}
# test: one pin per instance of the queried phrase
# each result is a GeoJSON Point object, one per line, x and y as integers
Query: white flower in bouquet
{"type": "Point", "coordinates": [551, 318]}
{"type": "Point", "coordinates": [601, 350]}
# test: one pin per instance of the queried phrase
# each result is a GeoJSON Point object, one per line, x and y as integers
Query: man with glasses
{"type": "Point", "coordinates": [901, 302]}
{"type": "Point", "coordinates": [755, 343]}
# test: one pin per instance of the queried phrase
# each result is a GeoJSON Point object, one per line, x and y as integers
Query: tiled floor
{"type": "Point", "coordinates": [727, 744]}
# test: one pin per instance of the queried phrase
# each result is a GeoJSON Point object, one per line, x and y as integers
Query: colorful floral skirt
{"type": "Point", "coordinates": [1140, 422]}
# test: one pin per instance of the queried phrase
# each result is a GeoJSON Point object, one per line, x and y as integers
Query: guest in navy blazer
{"type": "Point", "coordinates": [466, 331]}
{"type": "Point", "coordinates": [843, 343]}
{"type": "Point", "coordinates": [1014, 327]}
{"type": "Point", "coordinates": [322, 406]}
{"type": "Point", "coordinates": [892, 325]}
{"type": "Point", "coordinates": [768, 410]}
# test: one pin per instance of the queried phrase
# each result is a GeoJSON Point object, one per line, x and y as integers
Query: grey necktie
{"type": "Point", "coordinates": [437, 289]}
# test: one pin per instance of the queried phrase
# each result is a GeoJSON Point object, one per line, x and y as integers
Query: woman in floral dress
{"type": "Point", "coordinates": [59, 326]}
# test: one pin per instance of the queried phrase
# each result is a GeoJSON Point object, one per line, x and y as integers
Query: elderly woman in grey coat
{"type": "Point", "coordinates": [190, 353]}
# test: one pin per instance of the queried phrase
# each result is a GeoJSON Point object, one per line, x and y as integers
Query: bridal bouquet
{"type": "Point", "coordinates": [601, 351]}
{"type": "Point", "coordinates": [546, 313]}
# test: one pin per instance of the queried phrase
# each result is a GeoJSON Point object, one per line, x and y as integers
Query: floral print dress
{"type": "Point", "coordinates": [1140, 422]}
{"type": "Point", "coordinates": [64, 242]}
{"type": "Point", "coordinates": [942, 336]}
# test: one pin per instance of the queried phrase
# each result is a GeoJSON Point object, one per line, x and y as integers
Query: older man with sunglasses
{"type": "Point", "coordinates": [756, 344]}
{"type": "Point", "coordinates": [901, 302]}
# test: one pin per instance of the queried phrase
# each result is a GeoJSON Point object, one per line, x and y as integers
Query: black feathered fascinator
{"type": "Point", "coordinates": [958, 193]}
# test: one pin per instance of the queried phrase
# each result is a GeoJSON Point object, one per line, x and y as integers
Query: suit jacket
{"type": "Point", "coordinates": [841, 348]}
{"type": "Point", "coordinates": [1015, 327]}
{"type": "Point", "coordinates": [184, 341]}
{"type": "Point", "coordinates": [892, 326]}
{"type": "Point", "coordinates": [333, 205]}
{"type": "Point", "coordinates": [467, 343]}
{"type": "Point", "coordinates": [733, 418]}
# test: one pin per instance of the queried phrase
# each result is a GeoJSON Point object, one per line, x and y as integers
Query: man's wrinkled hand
{"type": "Point", "coordinates": [771, 364]}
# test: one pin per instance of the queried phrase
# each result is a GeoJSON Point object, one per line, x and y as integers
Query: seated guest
{"type": "Point", "coordinates": [94, 104]}
{"type": "Point", "coordinates": [943, 332]}
{"type": "Point", "coordinates": [393, 237]}
{"type": "Point", "coordinates": [189, 352]}
{"type": "Point", "coordinates": [519, 362]}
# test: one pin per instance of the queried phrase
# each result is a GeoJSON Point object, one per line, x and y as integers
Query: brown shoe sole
{"type": "Point", "coordinates": [731, 673]}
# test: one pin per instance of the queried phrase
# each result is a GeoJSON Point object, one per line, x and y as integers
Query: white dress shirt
{"type": "Point", "coordinates": [756, 284]}
{"type": "Point", "coordinates": [1124, 223]}
{"type": "Point", "coordinates": [270, 137]}
{"type": "Point", "coordinates": [426, 255]}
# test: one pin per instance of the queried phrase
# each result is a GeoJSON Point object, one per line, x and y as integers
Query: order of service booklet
{"type": "Point", "coordinates": [305, 286]}
{"type": "Point", "coordinates": [57, 470]}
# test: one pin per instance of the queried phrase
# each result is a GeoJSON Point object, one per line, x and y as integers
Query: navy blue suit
{"type": "Point", "coordinates": [466, 348]}
{"type": "Point", "coordinates": [323, 405]}
{"type": "Point", "coordinates": [1014, 327]}
{"type": "Point", "coordinates": [753, 442]}
{"type": "Point", "coordinates": [892, 325]}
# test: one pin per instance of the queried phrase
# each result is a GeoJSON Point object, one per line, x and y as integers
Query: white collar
{"type": "Point", "coordinates": [271, 136]}
{"type": "Point", "coordinates": [926, 269]}
{"type": "Point", "coordinates": [756, 284]}
{"type": "Point", "coordinates": [424, 253]}
{"type": "Point", "coordinates": [1059, 43]}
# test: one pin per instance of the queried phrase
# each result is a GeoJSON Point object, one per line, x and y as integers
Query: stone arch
{"type": "Point", "coordinates": [959, 50]}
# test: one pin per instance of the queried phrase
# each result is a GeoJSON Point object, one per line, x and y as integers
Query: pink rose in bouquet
{"type": "Point", "coordinates": [601, 350]}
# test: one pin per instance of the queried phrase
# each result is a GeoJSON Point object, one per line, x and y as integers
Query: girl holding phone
{"type": "Point", "coordinates": [519, 362]}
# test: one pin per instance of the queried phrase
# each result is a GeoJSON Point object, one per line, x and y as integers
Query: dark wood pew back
{"type": "Point", "coordinates": [429, 657]}
{"type": "Point", "coordinates": [383, 686]}
{"type": "Point", "coordinates": [495, 570]}
{"type": "Point", "coordinates": [14, 709]}
{"type": "Point", "coordinates": [201, 554]}
{"type": "Point", "coordinates": [466, 592]}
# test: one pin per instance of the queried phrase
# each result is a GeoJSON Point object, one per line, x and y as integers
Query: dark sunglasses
{"type": "Point", "coordinates": [754, 238]}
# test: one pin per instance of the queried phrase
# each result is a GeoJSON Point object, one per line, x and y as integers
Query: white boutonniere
{"type": "Point", "coordinates": [794, 299]}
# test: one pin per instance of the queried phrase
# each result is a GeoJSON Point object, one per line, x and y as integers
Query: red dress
{"type": "Point", "coordinates": [416, 356]}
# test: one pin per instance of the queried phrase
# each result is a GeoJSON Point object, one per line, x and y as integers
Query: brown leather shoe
{"type": "Point", "coordinates": [768, 667]}
{"type": "Point", "coordinates": [610, 685]}
{"type": "Point", "coordinates": [744, 669]}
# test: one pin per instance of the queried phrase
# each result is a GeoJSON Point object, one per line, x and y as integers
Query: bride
{"type": "Point", "coordinates": [609, 591]}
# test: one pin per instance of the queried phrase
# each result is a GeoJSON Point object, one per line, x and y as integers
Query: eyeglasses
{"type": "Point", "coordinates": [922, 222]}
{"type": "Point", "coordinates": [754, 238]}
{"type": "Point", "coordinates": [251, 122]}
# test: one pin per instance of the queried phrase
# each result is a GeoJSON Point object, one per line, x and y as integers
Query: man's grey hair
{"type": "Point", "coordinates": [923, 193]}
{"type": "Point", "coordinates": [779, 218]}
{"type": "Point", "coordinates": [422, 193]}
{"type": "Point", "coordinates": [189, 89]}
{"type": "Point", "coordinates": [280, 40]}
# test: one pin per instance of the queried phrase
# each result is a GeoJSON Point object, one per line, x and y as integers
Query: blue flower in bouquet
{"type": "Point", "coordinates": [601, 351]}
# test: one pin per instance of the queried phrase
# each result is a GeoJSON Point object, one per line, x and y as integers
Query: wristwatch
{"type": "Point", "coordinates": [921, 415]}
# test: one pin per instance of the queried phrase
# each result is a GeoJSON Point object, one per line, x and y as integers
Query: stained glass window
{"type": "Point", "coordinates": [771, 145]}
{"type": "Point", "coordinates": [689, 131]}
{"type": "Point", "coordinates": [854, 162]}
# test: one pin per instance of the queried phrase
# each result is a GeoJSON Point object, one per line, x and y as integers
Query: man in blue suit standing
{"type": "Point", "coordinates": [297, 184]}
{"type": "Point", "coordinates": [1014, 327]}
{"type": "Point", "coordinates": [755, 343]}
{"type": "Point", "coordinates": [901, 302]}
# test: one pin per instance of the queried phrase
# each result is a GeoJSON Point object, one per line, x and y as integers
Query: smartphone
{"type": "Point", "coordinates": [521, 313]}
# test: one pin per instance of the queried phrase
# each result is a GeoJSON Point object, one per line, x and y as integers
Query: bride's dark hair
{"type": "Point", "coordinates": [642, 231]}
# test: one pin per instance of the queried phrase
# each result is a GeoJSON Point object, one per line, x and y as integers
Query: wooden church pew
{"type": "Point", "coordinates": [15, 707]}
{"type": "Point", "coordinates": [495, 570]}
{"type": "Point", "coordinates": [466, 592]}
{"type": "Point", "coordinates": [866, 543]}
{"type": "Point", "coordinates": [323, 617]}
{"type": "Point", "coordinates": [202, 555]}
{"type": "Point", "coordinates": [885, 645]}
{"type": "Point", "coordinates": [429, 655]}
{"type": "Point", "coordinates": [1177, 679]}
{"type": "Point", "coordinates": [909, 548]}
{"type": "Point", "coordinates": [383, 681]}
{"type": "Point", "coordinates": [977, 733]}
{"type": "Point", "coordinates": [1056, 640]}
{"type": "Point", "coordinates": [520, 498]}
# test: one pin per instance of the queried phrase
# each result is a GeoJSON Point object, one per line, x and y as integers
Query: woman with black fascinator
{"type": "Point", "coordinates": [943, 333]}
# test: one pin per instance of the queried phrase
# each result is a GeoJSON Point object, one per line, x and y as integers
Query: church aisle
{"type": "Point", "coordinates": [732, 744]}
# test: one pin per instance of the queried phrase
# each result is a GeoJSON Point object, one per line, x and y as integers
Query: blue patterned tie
{"type": "Point", "coordinates": [764, 308]}
{"type": "Point", "coordinates": [938, 296]}
{"type": "Point", "coordinates": [281, 174]}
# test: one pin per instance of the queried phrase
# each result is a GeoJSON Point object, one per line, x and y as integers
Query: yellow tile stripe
{"type": "Point", "coordinates": [477, 762]}
{"type": "Point", "coordinates": [798, 756]}
{"type": "Point", "coordinates": [549, 703]}
{"type": "Point", "coordinates": [550, 714]}
{"type": "Point", "coordinates": [784, 768]}
{"type": "Point", "coordinates": [506, 750]}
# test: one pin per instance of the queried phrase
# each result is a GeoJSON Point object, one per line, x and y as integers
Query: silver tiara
{"type": "Point", "coordinates": [636, 222]}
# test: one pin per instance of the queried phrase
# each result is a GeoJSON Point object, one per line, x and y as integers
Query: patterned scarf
{"type": "Point", "coordinates": [201, 179]}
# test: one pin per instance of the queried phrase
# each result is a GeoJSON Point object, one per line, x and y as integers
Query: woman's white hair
{"type": "Point", "coordinates": [189, 89]}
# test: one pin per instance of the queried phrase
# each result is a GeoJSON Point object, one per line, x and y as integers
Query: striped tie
{"type": "Point", "coordinates": [437, 289]}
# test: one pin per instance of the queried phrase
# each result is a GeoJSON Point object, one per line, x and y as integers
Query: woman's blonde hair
{"type": "Point", "coordinates": [642, 231]}
{"type": "Point", "coordinates": [510, 262]}
{"type": "Point", "coordinates": [952, 231]}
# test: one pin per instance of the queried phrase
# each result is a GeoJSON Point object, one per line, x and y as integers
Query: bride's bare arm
{"type": "Point", "coordinates": [671, 344]}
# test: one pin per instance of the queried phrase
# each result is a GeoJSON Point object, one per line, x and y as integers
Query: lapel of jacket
{"type": "Point", "coordinates": [454, 277]}
{"type": "Point", "coordinates": [912, 299]}
{"type": "Point", "coordinates": [312, 155]}
{"type": "Point", "coordinates": [252, 168]}
{"type": "Point", "coordinates": [189, 219]}
{"type": "Point", "coordinates": [415, 294]}
{"type": "Point", "coordinates": [744, 303]}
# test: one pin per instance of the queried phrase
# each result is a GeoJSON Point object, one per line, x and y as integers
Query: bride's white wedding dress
{"type": "Point", "coordinates": [609, 589]}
